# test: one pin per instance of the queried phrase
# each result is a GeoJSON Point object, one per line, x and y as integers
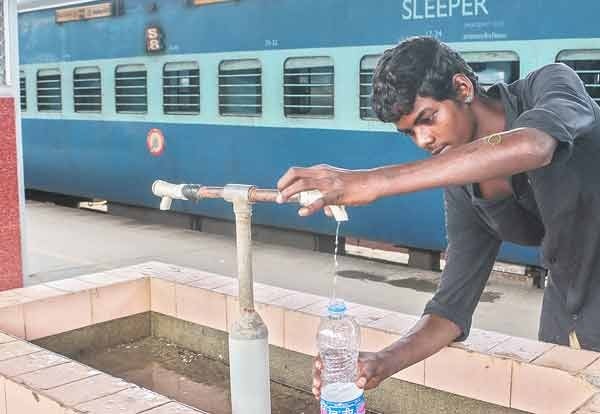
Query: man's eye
{"type": "Point", "coordinates": [429, 120]}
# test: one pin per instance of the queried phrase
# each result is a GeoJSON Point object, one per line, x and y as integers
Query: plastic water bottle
{"type": "Point", "coordinates": [338, 340]}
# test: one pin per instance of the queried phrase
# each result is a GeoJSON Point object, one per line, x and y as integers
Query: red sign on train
{"type": "Point", "coordinates": [155, 141]}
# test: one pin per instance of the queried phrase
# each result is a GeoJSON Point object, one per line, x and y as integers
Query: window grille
{"type": "Point", "coordinates": [493, 67]}
{"type": "Point", "coordinates": [87, 89]}
{"type": "Point", "coordinates": [308, 87]}
{"type": "Point", "coordinates": [131, 89]}
{"type": "Point", "coordinates": [367, 67]}
{"type": "Point", "coordinates": [49, 95]}
{"type": "Point", "coordinates": [181, 88]}
{"type": "Point", "coordinates": [240, 87]}
{"type": "Point", "coordinates": [587, 65]}
{"type": "Point", "coordinates": [23, 90]}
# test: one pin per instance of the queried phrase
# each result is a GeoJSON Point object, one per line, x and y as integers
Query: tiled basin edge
{"type": "Point", "coordinates": [508, 371]}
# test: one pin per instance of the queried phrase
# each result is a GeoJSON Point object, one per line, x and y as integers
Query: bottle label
{"type": "Point", "coordinates": [356, 406]}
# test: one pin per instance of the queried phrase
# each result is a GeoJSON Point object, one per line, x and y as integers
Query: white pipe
{"type": "Point", "coordinates": [248, 337]}
{"type": "Point", "coordinates": [249, 366]}
{"type": "Point", "coordinates": [243, 233]}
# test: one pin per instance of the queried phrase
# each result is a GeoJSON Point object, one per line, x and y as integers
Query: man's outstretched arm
{"type": "Point", "coordinates": [495, 156]}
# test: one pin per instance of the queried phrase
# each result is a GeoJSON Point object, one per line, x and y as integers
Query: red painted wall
{"type": "Point", "coordinates": [10, 232]}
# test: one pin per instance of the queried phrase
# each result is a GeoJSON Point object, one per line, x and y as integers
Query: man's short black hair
{"type": "Point", "coordinates": [418, 66]}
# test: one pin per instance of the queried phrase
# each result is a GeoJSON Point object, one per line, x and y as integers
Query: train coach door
{"type": "Point", "coordinates": [11, 178]}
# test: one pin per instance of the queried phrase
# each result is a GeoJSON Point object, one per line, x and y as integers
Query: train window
{"type": "Point", "coordinates": [181, 88]}
{"type": "Point", "coordinates": [131, 93]}
{"type": "Point", "coordinates": [240, 87]}
{"type": "Point", "coordinates": [587, 65]}
{"type": "Point", "coordinates": [308, 87]}
{"type": "Point", "coordinates": [367, 67]}
{"type": "Point", "coordinates": [87, 89]}
{"type": "Point", "coordinates": [49, 96]}
{"type": "Point", "coordinates": [493, 67]}
{"type": "Point", "coordinates": [23, 90]}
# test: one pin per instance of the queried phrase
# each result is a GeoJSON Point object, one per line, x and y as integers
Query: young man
{"type": "Point", "coordinates": [519, 163]}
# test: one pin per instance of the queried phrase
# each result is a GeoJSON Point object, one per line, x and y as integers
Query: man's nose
{"type": "Point", "coordinates": [424, 140]}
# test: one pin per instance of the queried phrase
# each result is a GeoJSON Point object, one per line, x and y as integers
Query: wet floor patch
{"type": "Point", "coordinates": [420, 285]}
{"type": "Point", "coordinates": [414, 283]}
{"type": "Point", "coordinates": [186, 376]}
{"type": "Point", "coordinates": [490, 296]}
{"type": "Point", "coordinates": [356, 274]}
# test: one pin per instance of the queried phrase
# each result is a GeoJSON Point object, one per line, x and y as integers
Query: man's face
{"type": "Point", "coordinates": [438, 125]}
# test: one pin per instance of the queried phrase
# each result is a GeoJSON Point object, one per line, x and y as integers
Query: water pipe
{"type": "Point", "coordinates": [248, 337]}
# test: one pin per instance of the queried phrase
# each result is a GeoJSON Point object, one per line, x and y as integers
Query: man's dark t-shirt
{"type": "Point", "coordinates": [557, 207]}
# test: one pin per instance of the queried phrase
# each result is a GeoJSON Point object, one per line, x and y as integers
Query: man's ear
{"type": "Point", "coordinates": [465, 90]}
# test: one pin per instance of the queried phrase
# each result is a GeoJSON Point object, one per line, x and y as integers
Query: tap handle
{"type": "Point", "coordinates": [167, 192]}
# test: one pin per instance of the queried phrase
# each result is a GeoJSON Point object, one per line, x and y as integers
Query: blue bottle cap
{"type": "Point", "coordinates": [337, 307]}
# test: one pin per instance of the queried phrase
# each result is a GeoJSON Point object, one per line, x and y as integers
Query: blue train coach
{"type": "Point", "coordinates": [115, 94]}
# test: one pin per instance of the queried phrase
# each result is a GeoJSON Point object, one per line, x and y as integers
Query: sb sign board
{"type": "Point", "coordinates": [154, 39]}
{"type": "Point", "coordinates": [73, 14]}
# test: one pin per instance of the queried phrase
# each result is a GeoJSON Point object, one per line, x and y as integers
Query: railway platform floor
{"type": "Point", "coordinates": [64, 242]}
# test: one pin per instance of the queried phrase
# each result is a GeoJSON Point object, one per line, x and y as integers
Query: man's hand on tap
{"type": "Point", "coordinates": [338, 186]}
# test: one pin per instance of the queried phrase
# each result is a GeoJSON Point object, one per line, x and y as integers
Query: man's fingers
{"type": "Point", "coordinates": [327, 211]}
{"type": "Point", "coordinates": [316, 392]}
{"type": "Point", "coordinates": [317, 372]}
{"type": "Point", "coordinates": [312, 208]}
{"type": "Point", "coordinates": [361, 382]}
{"type": "Point", "coordinates": [316, 385]}
{"type": "Point", "coordinates": [294, 174]}
{"type": "Point", "coordinates": [299, 185]}
{"type": "Point", "coordinates": [287, 178]}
